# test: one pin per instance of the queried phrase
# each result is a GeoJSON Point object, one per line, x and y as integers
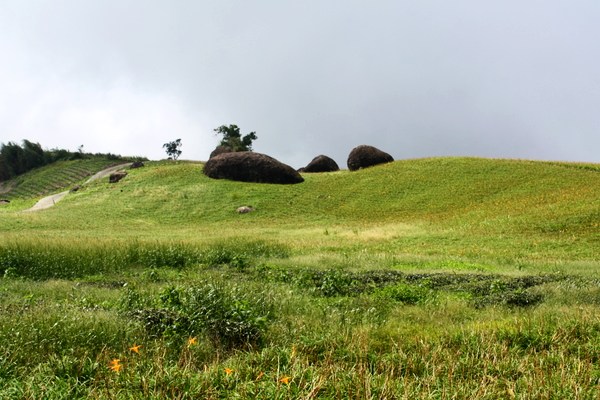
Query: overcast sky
{"type": "Point", "coordinates": [504, 78]}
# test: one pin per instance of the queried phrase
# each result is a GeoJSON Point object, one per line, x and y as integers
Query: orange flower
{"type": "Point", "coordinates": [228, 371]}
{"type": "Point", "coordinates": [260, 375]}
{"type": "Point", "coordinates": [285, 380]}
{"type": "Point", "coordinates": [192, 341]}
{"type": "Point", "coordinates": [135, 348]}
{"type": "Point", "coordinates": [115, 365]}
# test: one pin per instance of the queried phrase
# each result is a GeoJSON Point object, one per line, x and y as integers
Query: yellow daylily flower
{"type": "Point", "coordinates": [135, 348]}
{"type": "Point", "coordinates": [115, 365]}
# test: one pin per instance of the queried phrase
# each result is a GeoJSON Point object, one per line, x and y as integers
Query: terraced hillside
{"type": "Point", "coordinates": [52, 178]}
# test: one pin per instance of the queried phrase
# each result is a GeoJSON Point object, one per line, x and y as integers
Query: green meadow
{"type": "Point", "coordinates": [432, 278]}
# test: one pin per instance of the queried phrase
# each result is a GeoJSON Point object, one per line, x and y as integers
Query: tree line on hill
{"type": "Point", "coordinates": [17, 159]}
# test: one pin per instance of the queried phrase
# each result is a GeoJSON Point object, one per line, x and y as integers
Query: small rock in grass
{"type": "Point", "coordinates": [117, 176]}
{"type": "Point", "coordinates": [245, 209]}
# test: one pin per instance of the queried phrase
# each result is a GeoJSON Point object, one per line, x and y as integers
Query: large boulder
{"type": "Point", "coordinates": [321, 164]}
{"type": "Point", "coordinates": [366, 156]}
{"type": "Point", "coordinates": [248, 166]}
{"type": "Point", "coordinates": [220, 150]}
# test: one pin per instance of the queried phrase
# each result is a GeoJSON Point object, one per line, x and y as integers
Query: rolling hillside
{"type": "Point", "coordinates": [461, 207]}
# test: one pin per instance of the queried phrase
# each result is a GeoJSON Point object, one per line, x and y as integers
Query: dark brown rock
{"type": "Point", "coordinates": [366, 156]}
{"type": "Point", "coordinates": [75, 188]}
{"type": "Point", "coordinates": [248, 166]}
{"type": "Point", "coordinates": [4, 201]}
{"type": "Point", "coordinates": [136, 164]}
{"type": "Point", "coordinates": [220, 150]}
{"type": "Point", "coordinates": [117, 176]}
{"type": "Point", "coordinates": [321, 164]}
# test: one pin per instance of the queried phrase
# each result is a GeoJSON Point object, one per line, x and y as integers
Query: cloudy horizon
{"type": "Point", "coordinates": [507, 79]}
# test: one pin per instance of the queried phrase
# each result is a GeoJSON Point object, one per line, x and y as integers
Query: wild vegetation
{"type": "Point", "coordinates": [18, 159]}
{"type": "Point", "coordinates": [432, 278]}
{"type": "Point", "coordinates": [232, 138]}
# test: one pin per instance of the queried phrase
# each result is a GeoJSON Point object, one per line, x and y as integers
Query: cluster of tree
{"type": "Point", "coordinates": [17, 159]}
{"type": "Point", "coordinates": [231, 138]}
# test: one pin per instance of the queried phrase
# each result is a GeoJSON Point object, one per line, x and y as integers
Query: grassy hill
{"type": "Point", "coordinates": [420, 279]}
{"type": "Point", "coordinates": [475, 209]}
{"type": "Point", "coordinates": [52, 178]}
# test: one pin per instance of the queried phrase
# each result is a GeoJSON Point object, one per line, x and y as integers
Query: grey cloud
{"type": "Point", "coordinates": [503, 79]}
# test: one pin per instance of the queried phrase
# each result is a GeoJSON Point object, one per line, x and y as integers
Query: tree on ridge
{"type": "Point", "coordinates": [233, 139]}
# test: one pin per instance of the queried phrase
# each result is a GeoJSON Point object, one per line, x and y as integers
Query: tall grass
{"type": "Point", "coordinates": [313, 346]}
{"type": "Point", "coordinates": [45, 260]}
{"type": "Point", "coordinates": [421, 279]}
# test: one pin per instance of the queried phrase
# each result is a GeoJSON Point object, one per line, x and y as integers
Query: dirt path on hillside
{"type": "Point", "coordinates": [50, 201]}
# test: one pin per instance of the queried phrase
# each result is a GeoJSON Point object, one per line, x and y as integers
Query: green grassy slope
{"type": "Point", "coordinates": [53, 178]}
{"type": "Point", "coordinates": [476, 209]}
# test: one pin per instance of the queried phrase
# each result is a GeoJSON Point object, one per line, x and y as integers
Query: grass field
{"type": "Point", "coordinates": [429, 278]}
{"type": "Point", "coordinates": [53, 178]}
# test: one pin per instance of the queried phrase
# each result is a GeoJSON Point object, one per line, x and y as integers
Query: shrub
{"type": "Point", "coordinates": [510, 298]}
{"type": "Point", "coordinates": [229, 317]}
{"type": "Point", "coordinates": [407, 294]}
{"type": "Point", "coordinates": [226, 316]}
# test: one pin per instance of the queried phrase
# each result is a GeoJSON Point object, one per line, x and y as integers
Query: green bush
{"type": "Point", "coordinates": [228, 316]}
{"type": "Point", "coordinates": [509, 298]}
{"type": "Point", "coordinates": [407, 294]}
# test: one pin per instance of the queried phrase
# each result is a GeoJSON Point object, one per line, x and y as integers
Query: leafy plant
{"type": "Point", "coordinates": [407, 294]}
{"type": "Point", "coordinates": [227, 316]}
{"type": "Point", "coordinates": [233, 139]}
